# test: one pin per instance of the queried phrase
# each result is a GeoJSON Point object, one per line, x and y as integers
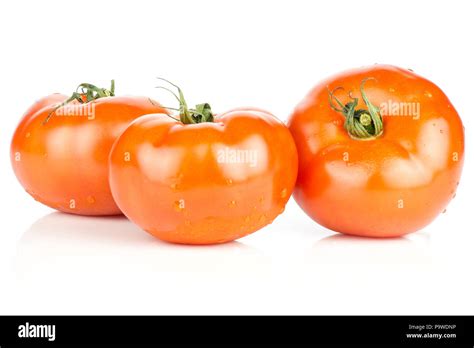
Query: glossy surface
{"type": "Point", "coordinates": [204, 183]}
{"type": "Point", "coordinates": [389, 186]}
{"type": "Point", "coordinates": [64, 162]}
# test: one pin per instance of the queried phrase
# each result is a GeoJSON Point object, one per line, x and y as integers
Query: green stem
{"type": "Point", "coordinates": [85, 93]}
{"type": "Point", "coordinates": [201, 113]}
{"type": "Point", "coordinates": [360, 123]}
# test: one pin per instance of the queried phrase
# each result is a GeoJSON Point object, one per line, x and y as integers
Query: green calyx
{"type": "Point", "coordinates": [85, 93]}
{"type": "Point", "coordinates": [201, 113]}
{"type": "Point", "coordinates": [361, 123]}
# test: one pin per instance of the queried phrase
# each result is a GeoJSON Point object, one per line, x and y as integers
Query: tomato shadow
{"type": "Point", "coordinates": [108, 249]}
{"type": "Point", "coordinates": [345, 249]}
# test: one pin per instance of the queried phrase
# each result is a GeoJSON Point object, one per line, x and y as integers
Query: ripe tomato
{"type": "Point", "coordinates": [59, 152]}
{"type": "Point", "coordinates": [380, 149]}
{"type": "Point", "coordinates": [203, 179]}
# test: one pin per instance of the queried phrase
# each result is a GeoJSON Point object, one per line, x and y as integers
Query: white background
{"type": "Point", "coordinates": [230, 53]}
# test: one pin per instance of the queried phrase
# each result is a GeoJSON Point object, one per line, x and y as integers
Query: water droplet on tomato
{"type": "Point", "coordinates": [229, 181]}
{"type": "Point", "coordinates": [284, 193]}
{"type": "Point", "coordinates": [232, 203]}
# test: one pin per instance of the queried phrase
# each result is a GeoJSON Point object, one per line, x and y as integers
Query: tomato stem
{"type": "Point", "coordinates": [201, 113]}
{"type": "Point", "coordinates": [360, 123]}
{"type": "Point", "coordinates": [85, 93]}
{"type": "Point", "coordinates": [155, 104]}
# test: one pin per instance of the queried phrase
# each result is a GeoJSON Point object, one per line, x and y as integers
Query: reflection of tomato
{"type": "Point", "coordinates": [365, 175]}
{"type": "Point", "coordinates": [63, 162]}
{"type": "Point", "coordinates": [215, 180]}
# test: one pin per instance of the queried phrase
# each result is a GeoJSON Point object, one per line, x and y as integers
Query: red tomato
{"type": "Point", "coordinates": [60, 154]}
{"type": "Point", "coordinates": [203, 179]}
{"type": "Point", "coordinates": [382, 166]}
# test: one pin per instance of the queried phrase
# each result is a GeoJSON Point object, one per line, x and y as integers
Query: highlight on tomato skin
{"type": "Point", "coordinates": [381, 151]}
{"type": "Point", "coordinates": [59, 151]}
{"type": "Point", "coordinates": [201, 178]}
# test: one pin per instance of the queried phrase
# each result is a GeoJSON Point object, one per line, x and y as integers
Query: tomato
{"type": "Point", "coordinates": [203, 179]}
{"type": "Point", "coordinates": [59, 152]}
{"type": "Point", "coordinates": [381, 151]}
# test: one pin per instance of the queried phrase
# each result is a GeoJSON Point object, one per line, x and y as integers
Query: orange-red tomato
{"type": "Point", "coordinates": [392, 176]}
{"type": "Point", "coordinates": [203, 183]}
{"type": "Point", "coordinates": [63, 162]}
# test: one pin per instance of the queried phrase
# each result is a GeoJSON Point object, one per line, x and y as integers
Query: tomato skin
{"type": "Point", "coordinates": [179, 182]}
{"type": "Point", "coordinates": [64, 162]}
{"type": "Point", "coordinates": [388, 186]}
